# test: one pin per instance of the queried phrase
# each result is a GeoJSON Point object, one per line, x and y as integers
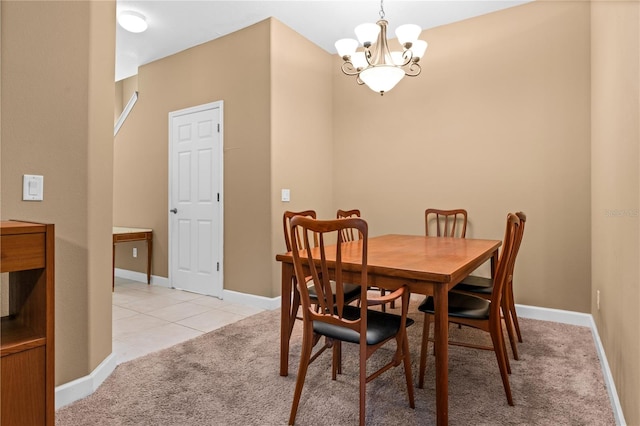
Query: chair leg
{"type": "Point", "coordinates": [500, 350]}
{"type": "Point", "coordinates": [512, 309]}
{"type": "Point", "coordinates": [508, 321]}
{"type": "Point", "coordinates": [423, 351]}
{"type": "Point", "coordinates": [305, 356]}
{"type": "Point", "coordinates": [407, 368]}
{"type": "Point", "coordinates": [295, 304]}
{"type": "Point", "coordinates": [500, 334]}
{"type": "Point", "coordinates": [363, 382]}
{"type": "Point", "coordinates": [337, 359]}
{"type": "Point", "coordinates": [505, 354]}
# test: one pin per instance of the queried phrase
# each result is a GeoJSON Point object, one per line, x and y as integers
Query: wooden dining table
{"type": "Point", "coordinates": [427, 265]}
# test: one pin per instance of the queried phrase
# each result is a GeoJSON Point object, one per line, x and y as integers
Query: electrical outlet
{"type": "Point", "coordinates": [598, 299]}
{"type": "Point", "coordinates": [135, 252]}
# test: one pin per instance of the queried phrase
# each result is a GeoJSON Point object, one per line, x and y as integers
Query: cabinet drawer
{"type": "Point", "coordinates": [133, 236]}
{"type": "Point", "coordinates": [22, 252]}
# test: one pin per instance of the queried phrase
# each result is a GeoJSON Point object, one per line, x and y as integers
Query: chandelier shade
{"type": "Point", "coordinates": [382, 78]}
{"type": "Point", "coordinates": [408, 33]}
{"type": "Point", "coordinates": [367, 33]}
{"type": "Point", "coordinates": [374, 64]}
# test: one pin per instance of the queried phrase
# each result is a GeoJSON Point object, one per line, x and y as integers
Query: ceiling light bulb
{"type": "Point", "coordinates": [132, 21]}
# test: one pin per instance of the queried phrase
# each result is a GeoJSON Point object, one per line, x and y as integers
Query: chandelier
{"type": "Point", "coordinates": [377, 66]}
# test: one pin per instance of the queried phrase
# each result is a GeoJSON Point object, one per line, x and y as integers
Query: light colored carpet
{"type": "Point", "coordinates": [230, 377]}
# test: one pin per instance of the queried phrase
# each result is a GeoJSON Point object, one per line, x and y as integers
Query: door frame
{"type": "Point", "coordinates": [218, 292]}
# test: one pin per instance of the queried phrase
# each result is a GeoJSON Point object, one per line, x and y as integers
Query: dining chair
{"type": "Point", "coordinates": [483, 287]}
{"type": "Point", "coordinates": [352, 291]}
{"type": "Point", "coordinates": [480, 313]}
{"type": "Point", "coordinates": [336, 320]}
{"type": "Point", "coordinates": [445, 223]}
{"type": "Point", "coordinates": [286, 219]}
{"type": "Point", "coordinates": [350, 235]}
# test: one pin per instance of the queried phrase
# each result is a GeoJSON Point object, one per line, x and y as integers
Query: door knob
{"type": "Point", "coordinates": [174, 211]}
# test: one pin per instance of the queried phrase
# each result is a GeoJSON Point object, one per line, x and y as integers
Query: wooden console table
{"type": "Point", "coordinates": [27, 348]}
{"type": "Point", "coordinates": [123, 234]}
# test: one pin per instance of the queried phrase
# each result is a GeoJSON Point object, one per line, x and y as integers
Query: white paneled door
{"type": "Point", "coordinates": [195, 199]}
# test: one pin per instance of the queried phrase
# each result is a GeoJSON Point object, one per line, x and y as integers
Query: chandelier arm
{"type": "Point", "coordinates": [368, 55]}
{"type": "Point", "coordinates": [349, 69]}
{"type": "Point", "coordinates": [407, 56]}
{"type": "Point", "coordinates": [413, 70]}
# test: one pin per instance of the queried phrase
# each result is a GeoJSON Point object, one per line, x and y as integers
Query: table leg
{"type": "Point", "coordinates": [149, 257]}
{"type": "Point", "coordinates": [494, 263]}
{"type": "Point", "coordinates": [113, 268]}
{"type": "Point", "coordinates": [285, 317]}
{"type": "Point", "coordinates": [441, 337]}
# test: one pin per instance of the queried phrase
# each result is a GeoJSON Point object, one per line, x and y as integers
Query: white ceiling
{"type": "Point", "coordinates": [175, 25]}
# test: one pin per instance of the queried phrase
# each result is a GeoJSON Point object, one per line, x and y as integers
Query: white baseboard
{"type": "Point", "coordinates": [85, 386]}
{"type": "Point", "coordinates": [555, 315]}
{"type": "Point", "coordinates": [585, 320]}
{"type": "Point", "coordinates": [261, 302]}
{"type": "Point", "coordinates": [269, 303]}
{"type": "Point", "coordinates": [141, 277]}
{"type": "Point", "coordinates": [608, 377]}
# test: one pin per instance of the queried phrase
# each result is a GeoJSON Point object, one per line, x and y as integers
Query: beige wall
{"type": "Point", "coordinates": [210, 72]}
{"type": "Point", "coordinates": [301, 132]}
{"type": "Point", "coordinates": [509, 110]}
{"type": "Point", "coordinates": [615, 153]}
{"type": "Point", "coordinates": [275, 122]}
{"type": "Point", "coordinates": [57, 106]}
{"type": "Point", "coordinates": [498, 121]}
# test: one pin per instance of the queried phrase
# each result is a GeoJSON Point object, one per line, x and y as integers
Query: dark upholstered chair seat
{"type": "Point", "coordinates": [461, 306]}
{"type": "Point", "coordinates": [480, 285]}
{"type": "Point", "coordinates": [351, 292]}
{"type": "Point", "coordinates": [380, 326]}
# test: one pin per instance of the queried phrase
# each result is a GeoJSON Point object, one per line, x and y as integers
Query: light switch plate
{"type": "Point", "coordinates": [32, 187]}
{"type": "Point", "coordinates": [286, 195]}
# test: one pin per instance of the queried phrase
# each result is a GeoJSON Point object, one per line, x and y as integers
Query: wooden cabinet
{"type": "Point", "coordinates": [26, 339]}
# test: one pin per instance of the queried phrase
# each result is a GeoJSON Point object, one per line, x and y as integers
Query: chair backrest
{"type": "Point", "coordinates": [286, 219]}
{"type": "Point", "coordinates": [523, 219]}
{"type": "Point", "coordinates": [447, 223]}
{"type": "Point", "coordinates": [504, 269]}
{"type": "Point", "coordinates": [348, 234]}
{"type": "Point", "coordinates": [311, 266]}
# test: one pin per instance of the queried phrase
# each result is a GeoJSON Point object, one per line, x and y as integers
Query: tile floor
{"type": "Point", "coordinates": [147, 318]}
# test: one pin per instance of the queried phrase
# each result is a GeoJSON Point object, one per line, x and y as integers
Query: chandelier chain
{"type": "Point", "coordinates": [381, 9]}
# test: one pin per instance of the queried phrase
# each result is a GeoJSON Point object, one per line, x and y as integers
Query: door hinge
{"type": "Point", "coordinates": [218, 127]}
{"type": "Point", "coordinates": [218, 266]}
{"type": "Point", "coordinates": [218, 197]}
